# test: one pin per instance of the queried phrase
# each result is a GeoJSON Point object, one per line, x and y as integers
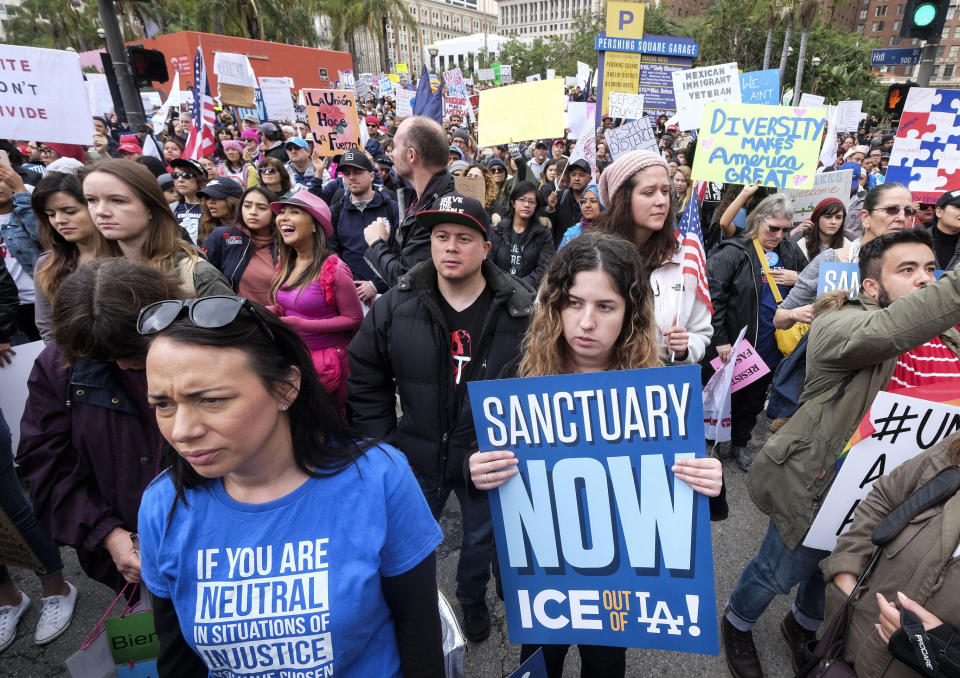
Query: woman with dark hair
{"type": "Point", "coordinates": [172, 148]}
{"type": "Point", "coordinates": [636, 188]}
{"type": "Point", "coordinates": [824, 229]}
{"type": "Point", "coordinates": [219, 200]}
{"type": "Point", "coordinates": [245, 252]}
{"type": "Point", "coordinates": [127, 207]}
{"type": "Point", "coordinates": [68, 237]}
{"type": "Point", "coordinates": [590, 209]}
{"type": "Point", "coordinates": [88, 443]}
{"type": "Point", "coordinates": [261, 464]}
{"type": "Point", "coordinates": [189, 178]}
{"type": "Point", "coordinates": [313, 290]}
{"type": "Point", "coordinates": [522, 241]}
{"type": "Point", "coordinates": [595, 314]}
{"type": "Point", "coordinates": [234, 166]}
{"type": "Point", "coordinates": [274, 176]}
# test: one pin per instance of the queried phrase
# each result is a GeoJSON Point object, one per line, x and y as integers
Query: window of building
{"type": "Point", "coordinates": [899, 10]}
{"type": "Point", "coordinates": [952, 54]}
{"type": "Point", "coordinates": [860, 28]}
{"type": "Point", "coordinates": [940, 50]}
{"type": "Point", "coordinates": [948, 71]}
{"type": "Point", "coordinates": [873, 27]}
{"type": "Point", "coordinates": [936, 70]}
{"type": "Point", "coordinates": [951, 10]}
{"type": "Point", "coordinates": [863, 14]}
{"type": "Point", "coordinates": [880, 26]}
{"type": "Point", "coordinates": [880, 11]}
{"type": "Point", "coordinates": [896, 27]}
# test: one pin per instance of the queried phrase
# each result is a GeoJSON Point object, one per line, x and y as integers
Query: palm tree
{"type": "Point", "coordinates": [787, 13]}
{"type": "Point", "coordinates": [50, 23]}
{"type": "Point", "coordinates": [808, 15]}
{"type": "Point", "coordinates": [382, 12]}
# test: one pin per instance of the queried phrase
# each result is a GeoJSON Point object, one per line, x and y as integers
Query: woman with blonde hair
{"type": "Point", "coordinates": [682, 189]}
{"type": "Point", "coordinates": [490, 189]}
{"type": "Point", "coordinates": [128, 208]}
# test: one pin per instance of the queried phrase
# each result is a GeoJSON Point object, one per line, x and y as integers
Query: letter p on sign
{"type": "Point", "coordinates": [625, 20]}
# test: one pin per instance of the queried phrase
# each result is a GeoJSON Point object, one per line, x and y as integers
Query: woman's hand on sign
{"type": "Point", "coordinates": [120, 545]}
{"type": "Point", "coordinates": [724, 353]}
{"type": "Point", "coordinates": [489, 470]}
{"type": "Point", "coordinates": [677, 339]}
{"type": "Point", "coordinates": [702, 474]}
{"type": "Point", "coordinates": [785, 277]}
{"type": "Point", "coordinates": [890, 615]}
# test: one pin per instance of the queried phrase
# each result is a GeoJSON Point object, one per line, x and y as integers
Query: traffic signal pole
{"type": "Point", "coordinates": [927, 57]}
{"type": "Point", "coordinates": [129, 93]}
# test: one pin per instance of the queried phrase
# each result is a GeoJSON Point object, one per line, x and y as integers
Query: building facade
{"type": "Point", "coordinates": [540, 18]}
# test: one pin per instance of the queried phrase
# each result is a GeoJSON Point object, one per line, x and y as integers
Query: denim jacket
{"type": "Point", "coordinates": [20, 235]}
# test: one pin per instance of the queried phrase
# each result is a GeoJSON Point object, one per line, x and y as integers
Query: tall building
{"type": "Point", "coordinates": [540, 18]}
{"type": "Point", "coordinates": [436, 20]}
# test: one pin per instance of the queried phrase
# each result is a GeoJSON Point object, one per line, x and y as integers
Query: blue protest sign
{"type": "Point", "coordinates": [597, 541]}
{"type": "Point", "coordinates": [534, 667]}
{"type": "Point", "coordinates": [760, 87]}
{"type": "Point", "coordinates": [838, 275]}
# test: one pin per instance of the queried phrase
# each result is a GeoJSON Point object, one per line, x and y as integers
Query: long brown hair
{"type": "Point", "coordinates": [282, 172]}
{"type": "Point", "coordinates": [812, 236]}
{"type": "Point", "coordinates": [545, 350]}
{"type": "Point", "coordinates": [287, 260]}
{"type": "Point", "coordinates": [618, 221]}
{"type": "Point", "coordinates": [63, 256]}
{"type": "Point", "coordinates": [164, 246]}
{"type": "Point", "coordinates": [208, 222]}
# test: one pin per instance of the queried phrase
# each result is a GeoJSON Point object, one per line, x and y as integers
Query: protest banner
{"type": "Point", "coordinates": [551, 73]}
{"type": "Point", "coordinates": [825, 185]}
{"type": "Point", "coordinates": [401, 68]}
{"type": "Point", "coordinates": [628, 106]}
{"type": "Point", "coordinates": [849, 115]}
{"type": "Point", "coordinates": [235, 79]}
{"type": "Point", "coordinates": [926, 151]}
{"type": "Point", "coordinates": [394, 78]}
{"type": "Point", "coordinates": [697, 86]}
{"type": "Point", "coordinates": [717, 424]}
{"type": "Point", "coordinates": [632, 136]}
{"type": "Point", "coordinates": [775, 145]}
{"type": "Point", "coordinates": [811, 100]}
{"type": "Point", "coordinates": [570, 81]}
{"type": "Point", "coordinates": [760, 87]}
{"type": "Point", "coordinates": [621, 73]}
{"type": "Point", "coordinates": [578, 111]}
{"type": "Point", "coordinates": [485, 74]}
{"type": "Point", "coordinates": [13, 395]}
{"type": "Point", "coordinates": [405, 102]}
{"type": "Point", "coordinates": [276, 98]}
{"type": "Point", "coordinates": [748, 367]}
{"type": "Point", "coordinates": [332, 115]}
{"type": "Point", "coordinates": [839, 275]}
{"type": "Point", "coordinates": [506, 73]}
{"type": "Point", "coordinates": [531, 110]}
{"type": "Point", "coordinates": [896, 428]}
{"type": "Point", "coordinates": [598, 542]}
{"type": "Point", "coordinates": [98, 93]}
{"type": "Point", "coordinates": [41, 91]}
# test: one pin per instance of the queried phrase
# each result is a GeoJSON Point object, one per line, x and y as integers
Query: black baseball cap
{"type": "Point", "coordinates": [455, 208]}
{"type": "Point", "coordinates": [384, 160]}
{"type": "Point", "coordinates": [188, 164]}
{"type": "Point", "coordinates": [354, 158]}
{"type": "Point", "coordinates": [580, 164]}
{"type": "Point", "coordinates": [219, 189]}
{"type": "Point", "coordinates": [949, 198]}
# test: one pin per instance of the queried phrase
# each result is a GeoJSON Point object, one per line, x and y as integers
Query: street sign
{"type": "Point", "coordinates": [896, 57]}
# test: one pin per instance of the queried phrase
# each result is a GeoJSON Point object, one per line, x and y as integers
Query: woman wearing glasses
{"type": "Point", "coordinates": [743, 295]}
{"type": "Point", "coordinates": [590, 209]}
{"type": "Point", "coordinates": [189, 178]}
{"type": "Point", "coordinates": [522, 241]}
{"type": "Point", "coordinates": [274, 175]}
{"type": "Point", "coordinates": [322, 541]}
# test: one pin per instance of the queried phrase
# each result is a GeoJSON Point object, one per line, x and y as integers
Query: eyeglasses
{"type": "Point", "coordinates": [268, 170]}
{"type": "Point", "coordinates": [777, 229]}
{"type": "Point", "coordinates": [894, 210]}
{"type": "Point", "coordinates": [206, 312]}
{"type": "Point", "coordinates": [589, 201]}
{"type": "Point", "coordinates": [526, 201]}
{"type": "Point", "coordinates": [498, 170]}
{"type": "Point", "coordinates": [925, 206]}
{"type": "Point", "coordinates": [182, 175]}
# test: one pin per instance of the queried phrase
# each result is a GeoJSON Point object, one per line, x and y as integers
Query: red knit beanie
{"type": "Point", "coordinates": [624, 168]}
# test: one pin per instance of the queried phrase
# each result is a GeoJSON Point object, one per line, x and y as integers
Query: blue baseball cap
{"type": "Point", "coordinates": [300, 142]}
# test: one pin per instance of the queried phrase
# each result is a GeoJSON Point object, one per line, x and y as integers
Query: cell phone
{"type": "Point", "coordinates": [5, 159]}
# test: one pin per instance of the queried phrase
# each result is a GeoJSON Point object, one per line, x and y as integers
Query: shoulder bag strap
{"type": "Point", "coordinates": [766, 269]}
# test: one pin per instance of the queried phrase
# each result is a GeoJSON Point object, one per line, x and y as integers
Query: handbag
{"type": "Point", "coordinates": [786, 339]}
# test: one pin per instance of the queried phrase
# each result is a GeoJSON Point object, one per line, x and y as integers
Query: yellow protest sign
{"type": "Point", "coordinates": [775, 145]}
{"type": "Point", "coordinates": [621, 73]}
{"type": "Point", "coordinates": [393, 77]}
{"type": "Point", "coordinates": [401, 68]}
{"type": "Point", "coordinates": [531, 110]}
{"type": "Point", "coordinates": [625, 20]}
{"type": "Point", "coordinates": [332, 116]}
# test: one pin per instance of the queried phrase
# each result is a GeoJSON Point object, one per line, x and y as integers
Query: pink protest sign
{"type": "Point", "coordinates": [748, 369]}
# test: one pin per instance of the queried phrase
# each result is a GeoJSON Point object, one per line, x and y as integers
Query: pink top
{"type": "Point", "coordinates": [327, 312]}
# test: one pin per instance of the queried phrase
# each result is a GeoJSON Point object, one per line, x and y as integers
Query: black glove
{"type": "Point", "coordinates": [934, 653]}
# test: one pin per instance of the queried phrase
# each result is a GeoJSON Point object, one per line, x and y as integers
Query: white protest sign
{"type": "Point", "coordinates": [506, 73]}
{"type": "Point", "coordinates": [13, 395]}
{"type": "Point", "coordinates": [895, 429]}
{"type": "Point", "coordinates": [98, 94]}
{"type": "Point", "coordinates": [586, 148]}
{"type": "Point", "coordinates": [386, 86]}
{"type": "Point", "coordinates": [41, 91]}
{"type": "Point", "coordinates": [533, 78]}
{"type": "Point", "coordinates": [570, 81]}
{"type": "Point", "coordinates": [405, 102]}
{"type": "Point", "coordinates": [583, 74]}
{"type": "Point", "coordinates": [150, 99]}
{"type": "Point", "coordinates": [825, 185]}
{"type": "Point", "coordinates": [173, 101]}
{"type": "Point", "coordinates": [233, 69]}
{"type": "Point", "coordinates": [346, 79]}
{"type": "Point", "coordinates": [551, 73]}
{"type": "Point", "coordinates": [578, 111]}
{"type": "Point", "coordinates": [276, 98]}
{"type": "Point", "coordinates": [636, 135]}
{"type": "Point", "coordinates": [849, 115]}
{"type": "Point", "coordinates": [828, 153]}
{"type": "Point", "coordinates": [811, 100]}
{"type": "Point", "coordinates": [485, 74]}
{"type": "Point", "coordinates": [693, 87]}
{"type": "Point", "coordinates": [623, 105]}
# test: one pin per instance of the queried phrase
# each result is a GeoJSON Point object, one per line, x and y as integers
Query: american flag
{"type": "Point", "coordinates": [200, 143]}
{"type": "Point", "coordinates": [691, 239]}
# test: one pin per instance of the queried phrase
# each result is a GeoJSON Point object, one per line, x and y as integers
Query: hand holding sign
{"type": "Point", "coordinates": [490, 470]}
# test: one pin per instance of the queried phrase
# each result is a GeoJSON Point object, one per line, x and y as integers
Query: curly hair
{"type": "Point", "coordinates": [545, 350]}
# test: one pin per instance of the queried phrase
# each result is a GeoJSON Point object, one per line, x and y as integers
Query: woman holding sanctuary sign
{"type": "Point", "coordinates": [595, 314]}
{"type": "Point", "coordinates": [255, 566]}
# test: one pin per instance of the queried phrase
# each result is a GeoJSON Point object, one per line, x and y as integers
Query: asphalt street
{"type": "Point", "coordinates": [735, 540]}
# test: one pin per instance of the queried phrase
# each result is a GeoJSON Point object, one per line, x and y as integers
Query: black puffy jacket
{"type": "Point", "coordinates": [536, 247]}
{"type": "Point", "coordinates": [404, 345]}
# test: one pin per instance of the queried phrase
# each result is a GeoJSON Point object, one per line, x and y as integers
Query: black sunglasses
{"type": "Point", "coordinates": [268, 170]}
{"type": "Point", "coordinates": [894, 210]}
{"type": "Point", "coordinates": [182, 175]}
{"type": "Point", "coordinates": [207, 312]}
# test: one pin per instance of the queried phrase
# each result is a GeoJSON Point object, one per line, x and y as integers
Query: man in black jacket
{"type": "Point", "coordinates": [420, 155]}
{"type": "Point", "coordinates": [9, 305]}
{"type": "Point", "coordinates": [451, 319]}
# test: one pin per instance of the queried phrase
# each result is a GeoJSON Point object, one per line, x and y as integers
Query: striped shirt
{"type": "Point", "coordinates": [926, 364]}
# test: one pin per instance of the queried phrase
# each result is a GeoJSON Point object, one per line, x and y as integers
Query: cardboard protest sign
{"type": "Point", "coordinates": [621, 73]}
{"type": "Point", "coordinates": [695, 87]}
{"type": "Point", "coordinates": [825, 185]}
{"type": "Point", "coordinates": [839, 275]}
{"type": "Point", "coordinates": [629, 106]}
{"type": "Point", "coordinates": [748, 367]}
{"type": "Point", "coordinates": [760, 87]}
{"type": "Point", "coordinates": [775, 145]}
{"type": "Point", "coordinates": [896, 428]}
{"type": "Point", "coordinates": [41, 92]}
{"type": "Point", "coordinates": [532, 110]}
{"type": "Point", "coordinates": [926, 150]}
{"type": "Point", "coordinates": [332, 115]}
{"type": "Point", "coordinates": [14, 550]}
{"type": "Point", "coordinates": [472, 187]}
{"type": "Point", "coordinates": [405, 99]}
{"type": "Point", "coordinates": [235, 79]}
{"type": "Point", "coordinates": [717, 423]}
{"type": "Point", "coordinates": [598, 543]}
{"type": "Point", "coordinates": [276, 98]}
{"type": "Point", "coordinates": [633, 136]}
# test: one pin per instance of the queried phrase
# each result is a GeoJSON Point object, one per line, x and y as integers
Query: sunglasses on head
{"type": "Point", "coordinates": [894, 210]}
{"type": "Point", "coordinates": [182, 175]}
{"type": "Point", "coordinates": [206, 312]}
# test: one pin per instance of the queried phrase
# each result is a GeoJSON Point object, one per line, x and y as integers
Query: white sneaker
{"type": "Point", "coordinates": [9, 618]}
{"type": "Point", "coordinates": [56, 616]}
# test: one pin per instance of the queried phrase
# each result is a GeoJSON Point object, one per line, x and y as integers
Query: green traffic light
{"type": "Point", "coordinates": [924, 14]}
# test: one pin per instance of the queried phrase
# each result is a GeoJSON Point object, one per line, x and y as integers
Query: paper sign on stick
{"type": "Point", "coordinates": [695, 87]}
{"type": "Point", "coordinates": [532, 110]}
{"type": "Point", "coordinates": [276, 98]}
{"type": "Point", "coordinates": [748, 368]}
{"type": "Point", "coordinates": [849, 115]}
{"type": "Point", "coordinates": [629, 106]}
{"type": "Point", "coordinates": [405, 99]}
{"type": "Point", "coordinates": [775, 145]}
{"type": "Point", "coordinates": [825, 185]}
{"type": "Point", "coordinates": [332, 115]}
{"type": "Point", "coordinates": [812, 100]}
{"type": "Point", "coordinates": [633, 136]}
{"type": "Point", "coordinates": [578, 111]}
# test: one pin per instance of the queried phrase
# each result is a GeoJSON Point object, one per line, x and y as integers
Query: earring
{"type": "Point", "coordinates": [284, 408]}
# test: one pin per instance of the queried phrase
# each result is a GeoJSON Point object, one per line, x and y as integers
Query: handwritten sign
{"type": "Point", "coordinates": [760, 87]}
{"type": "Point", "coordinates": [41, 93]}
{"type": "Point", "coordinates": [405, 102]}
{"type": "Point", "coordinates": [623, 105]}
{"type": "Point", "coordinates": [694, 87]}
{"type": "Point", "coordinates": [332, 115]}
{"type": "Point", "coordinates": [401, 68]}
{"type": "Point", "coordinates": [531, 110]}
{"type": "Point", "coordinates": [825, 185]}
{"type": "Point", "coordinates": [598, 542]}
{"type": "Point", "coordinates": [506, 73]}
{"type": "Point", "coordinates": [456, 99]}
{"type": "Point", "coordinates": [485, 74]}
{"type": "Point", "coordinates": [775, 145]}
{"type": "Point", "coordinates": [839, 275]}
{"type": "Point", "coordinates": [748, 368]}
{"type": "Point", "coordinates": [276, 98]}
{"type": "Point", "coordinates": [812, 100]}
{"type": "Point", "coordinates": [621, 73]}
{"type": "Point", "coordinates": [849, 115]}
{"type": "Point", "coordinates": [632, 136]}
